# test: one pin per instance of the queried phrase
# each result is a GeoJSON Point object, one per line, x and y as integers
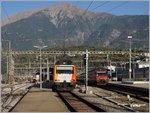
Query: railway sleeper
{"type": "Point", "coordinates": [126, 106]}
{"type": "Point", "coordinates": [77, 105]}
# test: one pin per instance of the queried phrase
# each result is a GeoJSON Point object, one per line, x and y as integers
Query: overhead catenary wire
{"type": "Point", "coordinates": [101, 5]}
{"type": "Point", "coordinates": [83, 13]}
{"type": "Point", "coordinates": [146, 11]}
{"type": "Point", "coordinates": [7, 19]}
{"type": "Point", "coordinates": [121, 4]}
{"type": "Point", "coordinates": [5, 11]}
{"type": "Point", "coordinates": [77, 21]}
{"type": "Point", "coordinates": [113, 8]}
{"type": "Point", "coordinates": [88, 7]}
{"type": "Point", "coordinates": [10, 57]}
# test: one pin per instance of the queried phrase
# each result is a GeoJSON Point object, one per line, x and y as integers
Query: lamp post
{"type": "Point", "coordinates": [8, 60]}
{"type": "Point", "coordinates": [40, 48]}
{"type": "Point", "coordinates": [130, 70]}
{"type": "Point", "coordinates": [86, 70]}
{"type": "Point", "coordinates": [47, 66]}
{"type": "Point", "coordinates": [10, 66]}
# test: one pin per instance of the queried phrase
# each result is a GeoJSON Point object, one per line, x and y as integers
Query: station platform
{"type": "Point", "coordinates": [40, 100]}
{"type": "Point", "coordinates": [136, 84]}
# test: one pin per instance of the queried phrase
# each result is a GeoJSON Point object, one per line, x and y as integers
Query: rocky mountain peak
{"type": "Point", "coordinates": [66, 8]}
{"type": "Point", "coordinates": [63, 6]}
{"type": "Point", "coordinates": [69, 25]}
{"type": "Point", "coordinates": [61, 10]}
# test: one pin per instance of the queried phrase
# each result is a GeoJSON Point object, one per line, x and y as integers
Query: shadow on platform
{"type": "Point", "coordinates": [46, 86]}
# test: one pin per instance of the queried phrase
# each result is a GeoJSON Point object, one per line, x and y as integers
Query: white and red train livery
{"type": "Point", "coordinates": [64, 77]}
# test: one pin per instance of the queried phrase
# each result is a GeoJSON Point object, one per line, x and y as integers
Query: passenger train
{"type": "Point", "coordinates": [137, 74]}
{"type": "Point", "coordinates": [64, 77]}
{"type": "Point", "coordinates": [36, 78]}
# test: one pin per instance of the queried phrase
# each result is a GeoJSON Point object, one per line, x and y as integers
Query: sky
{"type": "Point", "coordinates": [114, 7]}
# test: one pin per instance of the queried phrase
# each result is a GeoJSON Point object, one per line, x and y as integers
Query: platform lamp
{"type": "Point", "coordinates": [130, 70]}
{"type": "Point", "coordinates": [40, 48]}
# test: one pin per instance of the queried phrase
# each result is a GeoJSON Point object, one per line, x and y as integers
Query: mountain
{"type": "Point", "coordinates": [65, 25]}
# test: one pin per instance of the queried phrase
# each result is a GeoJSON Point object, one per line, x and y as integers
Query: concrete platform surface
{"type": "Point", "coordinates": [135, 82]}
{"type": "Point", "coordinates": [43, 100]}
{"type": "Point", "coordinates": [139, 84]}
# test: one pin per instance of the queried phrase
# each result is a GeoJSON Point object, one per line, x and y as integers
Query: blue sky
{"type": "Point", "coordinates": [114, 7]}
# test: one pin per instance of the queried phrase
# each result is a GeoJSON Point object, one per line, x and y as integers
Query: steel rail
{"type": "Point", "coordinates": [10, 95]}
{"type": "Point", "coordinates": [78, 104]}
{"type": "Point", "coordinates": [126, 107]}
{"type": "Point", "coordinates": [138, 94]}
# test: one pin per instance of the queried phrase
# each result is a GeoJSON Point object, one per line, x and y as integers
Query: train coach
{"type": "Point", "coordinates": [95, 77]}
{"type": "Point", "coordinates": [64, 77]}
{"type": "Point", "coordinates": [137, 74]}
{"type": "Point", "coordinates": [36, 78]}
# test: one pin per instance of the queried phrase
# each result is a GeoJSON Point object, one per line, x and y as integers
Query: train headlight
{"type": "Point", "coordinates": [73, 80]}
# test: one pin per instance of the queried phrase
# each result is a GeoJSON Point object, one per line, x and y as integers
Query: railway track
{"type": "Point", "coordinates": [111, 101]}
{"type": "Point", "coordinates": [16, 94]}
{"type": "Point", "coordinates": [119, 104]}
{"type": "Point", "coordinates": [142, 95]}
{"type": "Point", "coordinates": [78, 104]}
{"type": "Point", "coordinates": [138, 93]}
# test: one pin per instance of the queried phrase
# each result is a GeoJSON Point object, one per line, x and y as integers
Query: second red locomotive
{"type": "Point", "coordinates": [95, 77]}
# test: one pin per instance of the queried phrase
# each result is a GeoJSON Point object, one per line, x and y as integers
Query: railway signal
{"type": "Point", "coordinates": [40, 48]}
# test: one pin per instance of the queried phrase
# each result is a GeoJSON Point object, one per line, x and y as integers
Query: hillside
{"type": "Point", "coordinates": [66, 25]}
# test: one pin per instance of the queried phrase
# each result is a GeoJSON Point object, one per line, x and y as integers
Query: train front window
{"type": "Point", "coordinates": [64, 70]}
{"type": "Point", "coordinates": [101, 73]}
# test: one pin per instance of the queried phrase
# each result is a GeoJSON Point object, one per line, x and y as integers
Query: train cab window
{"type": "Point", "coordinates": [101, 73]}
{"type": "Point", "coordinates": [64, 71]}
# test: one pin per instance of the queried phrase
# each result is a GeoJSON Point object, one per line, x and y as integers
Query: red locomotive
{"type": "Point", "coordinates": [102, 76]}
{"type": "Point", "coordinates": [95, 77]}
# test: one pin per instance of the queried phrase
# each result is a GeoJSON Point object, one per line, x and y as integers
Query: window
{"type": "Point", "coordinates": [64, 70]}
{"type": "Point", "coordinates": [101, 73]}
